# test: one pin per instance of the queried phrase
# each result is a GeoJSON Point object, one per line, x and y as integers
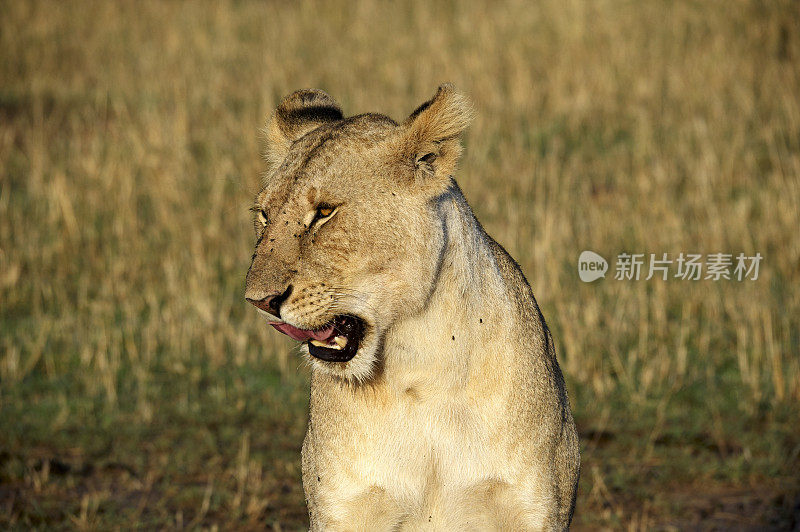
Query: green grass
{"type": "Point", "coordinates": [221, 447]}
{"type": "Point", "coordinates": [136, 388]}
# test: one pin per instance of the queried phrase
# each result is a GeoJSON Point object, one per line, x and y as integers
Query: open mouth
{"type": "Point", "coordinates": [336, 341]}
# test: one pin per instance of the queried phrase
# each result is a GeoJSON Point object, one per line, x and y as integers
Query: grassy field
{"type": "Point", "coordinates": [138, 390]}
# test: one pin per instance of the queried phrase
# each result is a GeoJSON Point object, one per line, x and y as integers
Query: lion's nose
{"type": "Point", "coordinates": [272, 304]}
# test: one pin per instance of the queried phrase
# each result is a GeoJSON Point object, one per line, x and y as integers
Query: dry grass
{"type": "Point", "coordinates": [129, 153]}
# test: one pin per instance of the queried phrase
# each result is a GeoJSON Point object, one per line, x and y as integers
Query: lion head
{"type": "Point", "coordinates": [349, 238]}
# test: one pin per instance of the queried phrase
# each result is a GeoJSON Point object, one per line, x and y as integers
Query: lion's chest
{"type": "Point", "coordinates": [425, 455]}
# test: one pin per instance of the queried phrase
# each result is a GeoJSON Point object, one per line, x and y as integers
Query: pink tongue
{"type": "Point", "coordinates": [302, 335]}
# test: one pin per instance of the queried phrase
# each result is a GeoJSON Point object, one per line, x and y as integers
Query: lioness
{"type": "Point", "coordinates": [436, 399]}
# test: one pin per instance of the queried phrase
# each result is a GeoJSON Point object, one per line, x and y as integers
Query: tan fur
{"type": "Point", "coordinates": [453, 414]}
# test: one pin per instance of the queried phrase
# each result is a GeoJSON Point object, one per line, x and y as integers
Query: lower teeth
{"type": "Point", "coordinates": [338, 343]}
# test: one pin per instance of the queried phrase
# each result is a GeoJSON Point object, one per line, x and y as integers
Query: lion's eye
{"type": "Point", "coordinates": [324, 211]}
{"type": "Point", "coordinates": [321, 214]}
{"type": "Point", "coordinates": [262, 217]}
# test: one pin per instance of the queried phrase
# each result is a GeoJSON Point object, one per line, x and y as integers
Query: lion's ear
{"type": "Point", "coordinates": [297, 114]}
{"type": "Point", "coordinates": [432, 133]}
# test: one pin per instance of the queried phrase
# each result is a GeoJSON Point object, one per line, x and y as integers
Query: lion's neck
{"type": "Point", "coordinates": [468, 320]}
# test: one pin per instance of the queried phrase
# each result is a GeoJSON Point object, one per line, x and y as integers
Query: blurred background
{"type": "Point", "coordinates": [137, 389]}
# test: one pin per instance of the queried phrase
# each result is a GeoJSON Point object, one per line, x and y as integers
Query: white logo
{"type": "Point", "coordinates": [591, 266]}
{"type": "Point", "coordinates": [689, 266]}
